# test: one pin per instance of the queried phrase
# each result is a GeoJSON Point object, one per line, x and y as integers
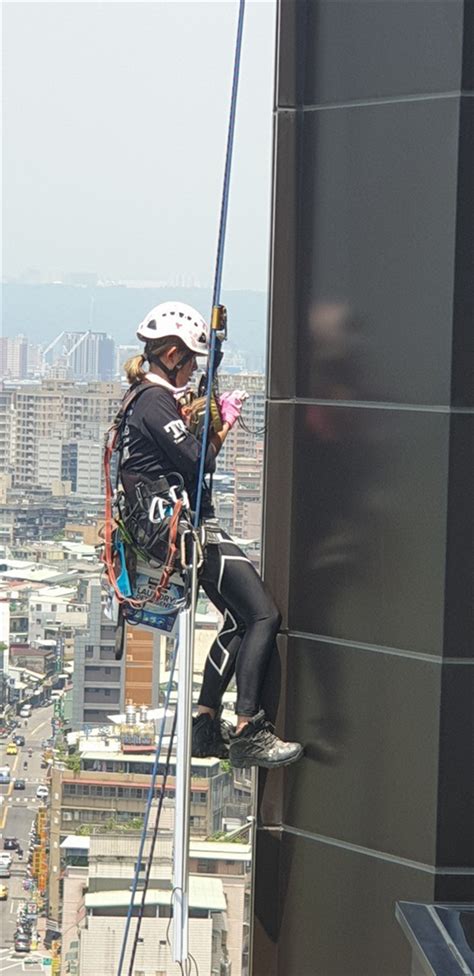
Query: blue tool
{"type": "Point", "coordinates": [123, 580]}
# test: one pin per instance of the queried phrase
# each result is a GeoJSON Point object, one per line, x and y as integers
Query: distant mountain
{"type": "Point", "coordinates": [41, 312]}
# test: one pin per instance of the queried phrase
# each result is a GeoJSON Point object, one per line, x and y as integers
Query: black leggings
{"type": "Point", "coordinates": [247, 637]}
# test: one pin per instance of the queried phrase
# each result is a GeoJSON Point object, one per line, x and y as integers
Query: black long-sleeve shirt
{"type": "Point", "coordinates": [155, 441]}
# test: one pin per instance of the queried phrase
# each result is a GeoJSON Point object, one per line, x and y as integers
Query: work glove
{"type": "Point", "coordinates": [230, 405]}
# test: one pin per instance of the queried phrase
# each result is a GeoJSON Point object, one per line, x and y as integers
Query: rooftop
{"type": "Point", "coordinates": [204, 893]}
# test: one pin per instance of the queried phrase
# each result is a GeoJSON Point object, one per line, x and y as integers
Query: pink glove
{"type": "Point", "coordinates": [230, 405]}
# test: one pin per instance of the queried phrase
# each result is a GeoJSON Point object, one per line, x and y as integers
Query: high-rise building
{"type": "Point", "coordinates": [98, 677]}
{"type": "Point", "coordinates": [55, 410]}
{"type": "Point", "coordinates": [247, 495]}
{"type": "Point", "coordinates": [104, 685]}
{"type": "Point", "coordinates": [7, 430]}
{"type": "Point", "coordinates": [86, 355]}
{"type": "Point", "coordinates": [246, 437]}
{"type": "Point", "coordinates": [82, 466]}
{"type": "Point", "coordinates": [13, 357]}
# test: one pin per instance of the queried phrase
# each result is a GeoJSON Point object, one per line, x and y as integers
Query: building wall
{"type": "Point", "coordinates": [55, 410]}
{"type": "Point", "coordinates": [7, 434]}
{"type": "Point", "coordinates": [93, 699]}
{"type": "Point", "coordinates": [369, 482]}
{"type": "Point", "coordinates": [142, 667]}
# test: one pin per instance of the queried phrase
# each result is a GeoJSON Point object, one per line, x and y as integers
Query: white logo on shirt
{"type": "Point", "coordinates": [177, 429]}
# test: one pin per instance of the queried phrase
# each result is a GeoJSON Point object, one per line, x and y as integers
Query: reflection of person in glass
{"type": "Point", "coordinates": [329, 480]}
{"type": "Point", "coordinates": [157, 442]}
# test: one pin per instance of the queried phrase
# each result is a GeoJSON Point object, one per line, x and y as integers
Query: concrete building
{"type": "Point", "coordinates": [111, 788]}
{"type": "Point", "coordinates": [56, 410]}
{"type": "Point", "coordinates": [85, 355]}
{"type": "Point", "coordinates": [101, 937]}
{"type": "Point", "coordinates": [248, 496]}
{"type": "Point", "coordinates": [82, 466]}
{"type": "Point", "coordinates": [106, 862]}
{"type": "Point", "coordinates": [7, 430]}
{"type": "Point", "coordinates": [244, 441]}
{"type": "Point", "coordinates": [13, 357]}
{"type": "Point", "coordinates": [104, 685]}
{"type": "Point", "coordinates": [144, 662]}
{"type": "Point", "coordinates": [98, 677]}
{"type": "Point", "coordinates": [54, 608]}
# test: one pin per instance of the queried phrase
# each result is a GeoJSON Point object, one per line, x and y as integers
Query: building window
{"type": "Point", "coordinates": [207, 867]}
{"type": "Point", "coordinates": [89, 651]}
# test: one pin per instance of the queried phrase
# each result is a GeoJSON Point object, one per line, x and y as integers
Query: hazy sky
{"type": "Point", "coordinates": [115, 121]}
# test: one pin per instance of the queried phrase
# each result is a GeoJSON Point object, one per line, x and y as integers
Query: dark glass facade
{"type": "Point", "coordinates": [369, 481]}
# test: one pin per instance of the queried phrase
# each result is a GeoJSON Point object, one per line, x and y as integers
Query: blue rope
{"type": "Point", "coordinates": [202, 460]}
{"type": "Point", "coordinates": [220, 258]}
{"type": "Point", "coordinates": [151, 791]}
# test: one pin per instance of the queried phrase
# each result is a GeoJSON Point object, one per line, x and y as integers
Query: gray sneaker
{"type": "Point", "coordinates": [257, 745]}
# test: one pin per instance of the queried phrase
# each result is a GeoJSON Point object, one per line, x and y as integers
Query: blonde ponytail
{"type": "Point", "coordinates": [134, 366]}
{"type": "Point", "coordinates": [134, 369]}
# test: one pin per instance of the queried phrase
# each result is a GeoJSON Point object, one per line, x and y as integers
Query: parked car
{"type": "Point", "coordinates": [10, 843]}
{"type": "Point", "coordinates": [19, 740]}
{"type": "Point", "coordinates": [5, 859]}
{"type": "Point", "coordinates": [42, 793]}
{"type": "Point", "coordinates": [22, 945]}
{"type": "Point", "coordinates": [3, 892]}
{"type": "Point", "coordinates": [12, 749]}
{"type": "Point", "coordinates": [19, 784]}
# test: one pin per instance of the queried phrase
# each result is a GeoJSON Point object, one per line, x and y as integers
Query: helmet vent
{"type": "Point", "coordinates": [152, 324]}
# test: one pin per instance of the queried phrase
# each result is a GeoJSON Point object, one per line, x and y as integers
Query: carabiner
{"type": "Point", "coordinates": [163, 509]}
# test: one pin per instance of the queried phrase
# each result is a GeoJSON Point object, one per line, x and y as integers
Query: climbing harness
{"type": "Point", "coordinates": [190, 563]}
{"type": "Point", "coordinates": [146, 549]}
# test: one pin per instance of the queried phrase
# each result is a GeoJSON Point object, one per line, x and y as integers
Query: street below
{"type": "Point", "coordinates": [17, 815]}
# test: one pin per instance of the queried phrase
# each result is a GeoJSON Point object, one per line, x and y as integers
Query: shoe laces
{"type": "Point", "coordinates": [267, 732]}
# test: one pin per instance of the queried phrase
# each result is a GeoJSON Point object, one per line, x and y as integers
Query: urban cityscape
{"type": "Point", "coordinates": [78, 727]}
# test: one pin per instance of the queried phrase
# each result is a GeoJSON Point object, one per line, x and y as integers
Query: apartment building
{"type": "Point", "coordinates": [112, 788]}
{"type": "Point", "coordinates": [55, 411]}
{"type": "Point", "coordinates": [244, 440]}
{"type": "Point", "coordinates": [13, 357]}
{"type": "Point", "coordinates": [53, 608]}
{"type": "Point", "coordinates": [106, 863]}
{"type": "Point", "coordinates": [98, 677]}
{"type": "Point", "coordinates": [85, 355]}
{"type": "Point", "coordinates": [7, 431]}
{"type": "Point", "coordinates": [103, 684]}
{"type": "Point", "coordinates": [248, 496]}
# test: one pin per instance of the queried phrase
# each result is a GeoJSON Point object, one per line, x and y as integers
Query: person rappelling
{"type": "Point", "coordinates": [158, 450]}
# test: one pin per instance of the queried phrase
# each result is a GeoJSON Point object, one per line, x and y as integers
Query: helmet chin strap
{"type": "Point", "coordinates": [171, 372]}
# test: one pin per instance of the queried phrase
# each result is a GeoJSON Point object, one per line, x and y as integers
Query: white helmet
{"type": "Point", "coordinates": [176, 319]}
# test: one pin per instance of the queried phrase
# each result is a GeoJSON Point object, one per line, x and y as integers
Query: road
{"type": "Point", "coordinates": [17, 813]}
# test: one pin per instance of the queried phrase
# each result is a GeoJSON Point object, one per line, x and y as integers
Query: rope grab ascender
{"type": "Point", "coordinates": [123, 553]}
